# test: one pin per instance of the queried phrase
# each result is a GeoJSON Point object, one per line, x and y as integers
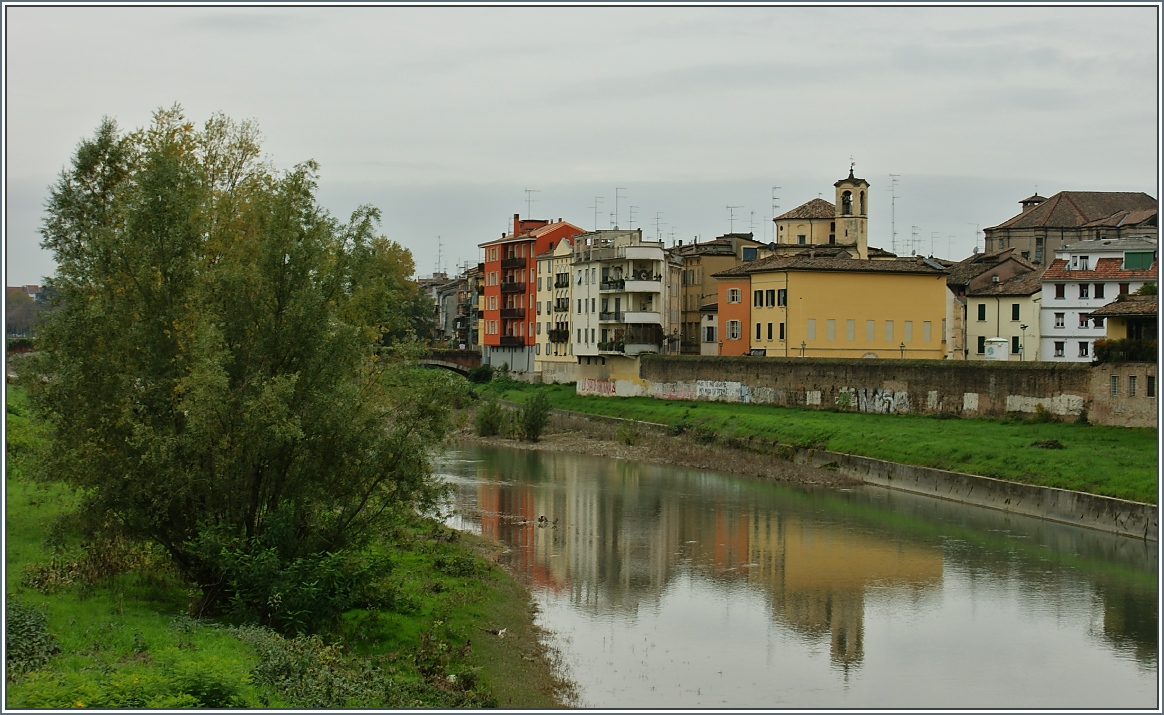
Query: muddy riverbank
{"type": "Point", "coordinates": [600, 438]}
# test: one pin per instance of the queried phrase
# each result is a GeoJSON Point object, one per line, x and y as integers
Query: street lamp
{"type": "Point", "coordinates": [1023, 347]}
{"type": "Point", "coordinates": [902, 348]}
{"type": "Point", "coordinates": [802, 348]}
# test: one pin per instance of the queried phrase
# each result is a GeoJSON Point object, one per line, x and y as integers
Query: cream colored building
{"type": "Point", "coordinates": [554, 354]}
{"type": "Point", "coordinates": [843, 225]}
{"type": "Point", "coordinates": [698, 288]}
{"type": "Point", "coordinates": [1007, 309]}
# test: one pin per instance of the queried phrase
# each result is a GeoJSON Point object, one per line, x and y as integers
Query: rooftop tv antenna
{"type": "Point", "coordinates": [775, 209]}
{"type": "Point", "coordinates": [975, 235]}
{"type": "Point", "coordinates": [658, 223]}
{"type": "Point", "coordinates": [893, 211]}
{"type": "Point", "coordinates": [631, 221]}
{"type": "Point", "coordinates": [913, 239]}
{"type": "Point", "coordinates": [752, 222]}
{"type": "Point", "coordinates": [732, 217]}
{"type": "Point", "coordinates": [597, 201]}
{"type": "Point", "coordinates": [933, 241]}
{"type": "Point", "coordinates": [529, 201]}
{"type": "Point", "coordinates": [438, 260]}
{"type": "Point", "coordinates": [616, 198]}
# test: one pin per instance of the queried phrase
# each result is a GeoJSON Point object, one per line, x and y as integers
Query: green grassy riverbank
{"type": "Point", "coordinates": [1111, 461]}
{"type": "Point", "coordinates": [107, 627]}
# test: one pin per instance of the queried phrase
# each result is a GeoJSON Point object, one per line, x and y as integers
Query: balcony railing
{"type": "Point", "coordinates": [612, 285]}
{"type": "Point", "coordinates": [512, 341]}
{"type": "Point", "coordinates": [611, 346]}
{"type": "Point", "coordinates": [611, 316]}
{"type": "Point", "coordinates": [512, 313]}
{"type": "Point", "coordinates": [513, 263]}
{"type": "Point", "coordinates": [561, 307]}
{"type": "Point", "coordinates": [513, 287]}
{"type": "Point", "coordinates": [562, 281]}
{"type": "Point", "coordinates": [560, 336]}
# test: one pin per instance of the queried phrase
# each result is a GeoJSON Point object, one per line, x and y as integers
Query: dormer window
{"type": "Point", "coordinates": [1083, 263]}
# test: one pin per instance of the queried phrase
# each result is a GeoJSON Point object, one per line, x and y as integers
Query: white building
{"type": "Point", "coordinates": [555, 356]}
{"type": "Point", "coordinates": [1084, 276]}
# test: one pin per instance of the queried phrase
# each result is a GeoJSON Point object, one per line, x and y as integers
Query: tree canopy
{"type": "Point", "coordinates": [226, 374]}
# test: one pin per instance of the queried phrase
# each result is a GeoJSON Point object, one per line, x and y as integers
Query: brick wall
{"type": "Point", "coordinates": [1124, 408]}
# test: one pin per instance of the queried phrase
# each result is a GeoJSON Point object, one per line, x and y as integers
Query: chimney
{"type": "Point", "coordinates": [994, 279]}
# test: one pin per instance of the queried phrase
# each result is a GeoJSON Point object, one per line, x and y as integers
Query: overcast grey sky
{"type": "Point", "coordinates": [442, 117]}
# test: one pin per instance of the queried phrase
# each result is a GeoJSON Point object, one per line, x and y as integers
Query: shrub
{"type": "Point", "coordinates": [535, 416]}
{"type": "Point", "coordinates": [488, 418]}
{"type": "Point", "coordinates": [27, 643]}
{"type": "Point", "coordinates": [1124, 350]}
{"type": "Point", "coordinates": [1042, 415]}
{"type": "Point", "coordinates": [628, 434]}
{"type": "Point", "coordinates": [481, 374]}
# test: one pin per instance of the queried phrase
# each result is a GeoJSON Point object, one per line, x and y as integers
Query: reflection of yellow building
{"type": "Point", "coordinates": [801, 306]}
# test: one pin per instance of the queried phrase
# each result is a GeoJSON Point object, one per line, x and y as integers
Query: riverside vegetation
{"type": "Point", "coordinates": [222, 459]}
{"type": "Point", "coordinates": [1111, 461]}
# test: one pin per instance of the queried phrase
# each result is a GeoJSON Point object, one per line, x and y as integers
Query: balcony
{"type": "Point", "coordinates": [642, 316]}
{"type": "Point", "coordinates": [512, 313]}
{"type": "Point", "coordinates": [512, 263]}
{"type": "Point", "coordinates": [645, 285]}
{"type": "Point", "coordinates": [610, 317]}
{"type": "Point", "coordinates": [512, 341]}
{"type": "Point", "coordinates": [562, 307]}
{"type": "Point", "coordinates": [513, 287]}
{"type": "Point", "coordinates": [559, 336]}
{"type": "Point", "coordinates": [612, 285]}
{"type": "Point", "coordinates": [562, 281]}
{"type": "Point", "coordinates": [611, 346]}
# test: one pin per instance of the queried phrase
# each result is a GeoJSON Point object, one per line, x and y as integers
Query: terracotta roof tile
{"type": "Point", "coordinates": [1105, 268]}
{"type": "Point", "coordinates": [1027, 283]}
{"type": "Point", "coordinates": [1130, 305]}
{"type": "Point", "coordinates": [817, 208]}
{"type": "Point", "coordinates": [804, 263]}
{"type": "Point", "coordinates": [1072, 209]}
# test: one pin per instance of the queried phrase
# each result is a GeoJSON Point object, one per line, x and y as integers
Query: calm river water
{"type": "Point", "coordinates": [669, 587]}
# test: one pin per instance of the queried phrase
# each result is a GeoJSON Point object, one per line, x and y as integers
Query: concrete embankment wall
{"type": "Point", "coordinates": [962, 388]}
{"type": "Point", "coordinates": [1091, 511]}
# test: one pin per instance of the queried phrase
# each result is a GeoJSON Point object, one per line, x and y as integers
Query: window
{"type": "Point", "coordinates": [758, 299]}
{"type": "Point", "coordinates": [770, 298]}
{"type": "Point", "coordinates": [781, 297]}
{"type": "Point", "coordinates": [1014, 311]}
{"type": "Point", "coordinates": [1084, 290]}
{"type": "Point", "coordinates": [1083, 348]}
{"type": "Point", "coordinates": [1151, 391]}
{"type": "Point", "coordinates": [782, 331]}
{"type": "Point", "coordinates": [1014, 345]}
{"type": "Point", "coordinates": [1097, 322]}
{"type": "Point", "coordinates": [909, 331]}
{"type": "Point", "coordinates": [592, 337]}
{"type": "Point", "coordinates": [1060, 291]}
{"type": "Point", "coordinates": [888, 331]}
{"type": "Point", "coordinates": [870, 331]}
{"type": "Point", "coordinates": [1038, 250]}
{"type": "Point", "coordinates": [757, 331]}
{"type": "Point", "coordinates": [733, 295]}
{"type": "Point", "coordinates": [579, 335]}
{"type": "Point", "coordinates": [579, 281]}
{"type": "Point", "coordinates": [539, 307]}
{"type": "Point", "coordinates": [709, 334]}
{"type": "Point", "coordinates": [733, 330]}
{"type": "Point", "coordinates": [1084, 262]}
{"type": "Point", "coordinates": [591, 305]}
{"type": "Point", "coordinates": [539, 329]}
{"type": "Point", "coordinates": [1098, 290]}
{"type": "Point", "coordinates": [1123, 288]}
{"type": "Point", "coordinates": [810, 331]}
{"type": "Point", "coordinates": [749, 254]}
{"type": "Point", "coordinates": [850, 330]}
{"type": "Point", "coordinates": [579, 306]}
{"type": "Point", "coordinates": [1137, 260]}
{"type": "Point", "coordinates": [800, 238]}
{"type": "Point", "coordinates": [830, 329]}
{"type": "Point", "coordinates": [1115, 385]}
{"type": "Point", "coordinates": [538, 349]}
{"type": "Point", "coordinates": [982, 311]}
{"type": "Point", "coordinates": [1059, 347]}
{"type": "Point", "coordinates": [1131, 385]}
{"type": "Point", "coordinates": [1083, 320]}
{"type": "Point", "coordinates": [1059, 318]}
{"type": "Point", "coordinates": [981, 344]}
{"type": "Point", "coordinates": [769, 331]}
{"type": "Point", "coordinates": [539, 283]}
{"type": "Point", "coordinates": [927, 331]}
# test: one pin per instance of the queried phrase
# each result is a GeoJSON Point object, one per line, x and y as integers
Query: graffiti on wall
{"type": "Point", "coordinates": [672, 390]}
{"type": "Point", "coordinates": [871, 400]}
{"type": "Point", "coordinates": [591, 386]}
{"type": "Point", "coordinates": [722, 391]}
{"type": "Point", "coordinates": [1057, 405]}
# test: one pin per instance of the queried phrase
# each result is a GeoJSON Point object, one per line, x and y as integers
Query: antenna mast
{"type": "Point", "coordinates": [438, 260]}
{"type": "Point", "coordinates": [529, 200]}
{"type": "Point", "coordinates": [658, 222]}
{"type": "Point", "coordinates": [631, 222]}
{"type": "Point", "coordinates": [775, 210]}
{"type": "Point", "coordinates": [732, 217]}
{"type": "Point", "coordinates": [597, 201]}
{"type": "Point", "coordinates": [616, 198]}
{"type": "Point", "coordinates": [893, 211]}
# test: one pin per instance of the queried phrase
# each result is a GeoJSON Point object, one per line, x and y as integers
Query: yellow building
{"type": "Point", "coordinates": [700, 262]}
{"type": "Point", "coordinates": [553, 356]}
{"type": "Point", "coordinates": [842, 307]}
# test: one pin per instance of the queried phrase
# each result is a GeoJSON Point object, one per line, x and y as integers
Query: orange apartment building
{"type": "Point", "coordinates": [508, 322]}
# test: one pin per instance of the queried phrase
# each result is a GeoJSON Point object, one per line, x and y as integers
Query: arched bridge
{"type": "Point", "coordinates": [461, 361]}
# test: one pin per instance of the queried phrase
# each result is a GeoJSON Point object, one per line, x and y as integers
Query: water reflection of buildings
{"type": "Point", "coordinates": [621, 536]}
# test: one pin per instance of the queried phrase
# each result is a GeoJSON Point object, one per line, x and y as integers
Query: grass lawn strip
{"type": "Point", "coordinates": [1111, 461]}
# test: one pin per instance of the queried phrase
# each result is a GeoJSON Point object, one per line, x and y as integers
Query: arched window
{"type": "Point", "coordinates": [862, 203]}
{"type": "Point", "coordinates": [847, 203]}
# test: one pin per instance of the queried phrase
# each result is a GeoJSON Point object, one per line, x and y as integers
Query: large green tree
{"type": "Point", "coordinates": [225, 375]}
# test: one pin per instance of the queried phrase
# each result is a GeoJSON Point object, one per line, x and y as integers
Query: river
{"type": "Point", "coordinates": [664, 587]}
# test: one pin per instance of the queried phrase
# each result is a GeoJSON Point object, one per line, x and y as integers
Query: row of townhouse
{"type": "Point", "coordinates": [1020, 312]}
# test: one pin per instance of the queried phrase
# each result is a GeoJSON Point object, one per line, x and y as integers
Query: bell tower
{"type": "Point", "coordinates": [852, 213]}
